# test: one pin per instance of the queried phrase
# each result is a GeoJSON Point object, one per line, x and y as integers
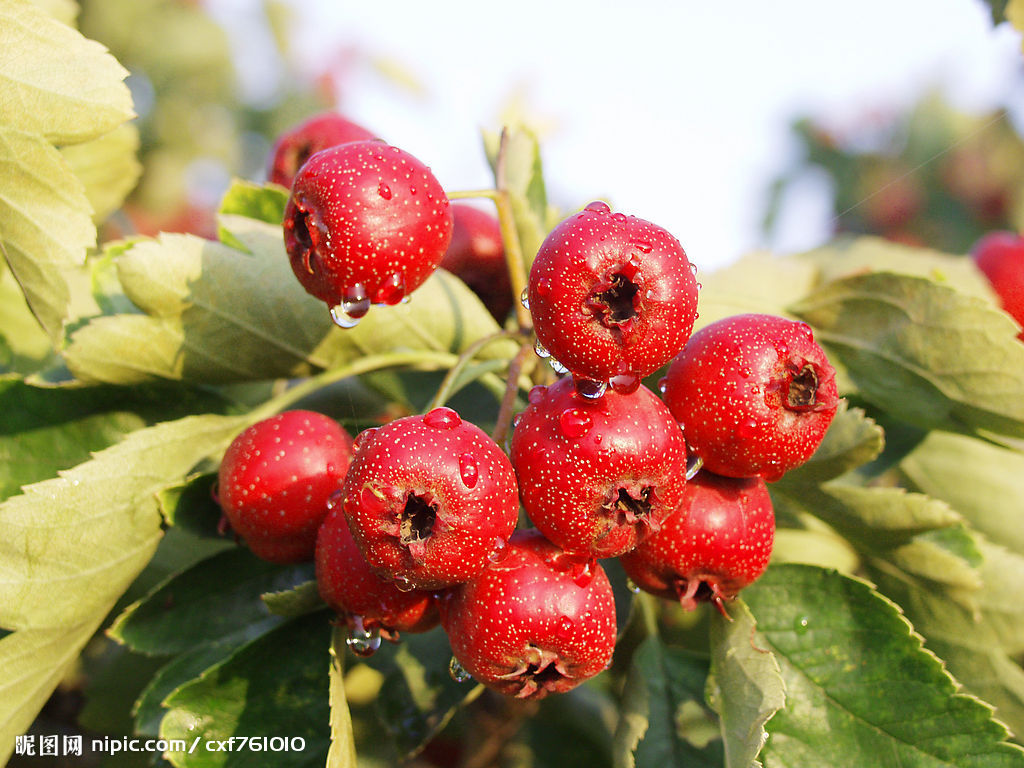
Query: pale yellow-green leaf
{"type": "Point", "coordinates": [34, 662]}
{"type": "Point", "coordinates": [45, 223]}
{"type": "Point", "coordinates": [108, 167]}
{"type": "Point", "coordinates": [65, 11]}
{"type": "Point", "coordinates": [23, 345]}
{"type": "Point", "coordinates": [71, 545]}
{"type": "Point", "coordinates": [342, 752]}
{"type": "Point", "coordinates": [216, 314]}
{"type": "Point", "coordinates": [53, 81]}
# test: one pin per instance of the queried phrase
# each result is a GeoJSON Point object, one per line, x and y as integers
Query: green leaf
{"type": "Point", "coordinates": [34, 661]}
{"type": "Point", "coordinates": [65, 11]}
{"type": "Point", "coordinates": [745, 686]}
{"type": "Point", "coordinates": [47, 222]}
{"type": "Point", "coordinates": [208, 601]}
{"type": "Point", "coordinates": [758, 282]}
{"type": "Point", "coordinates": [524, 182]}
{"type": "Point", "coordinates": [418, 696]}
{"type": "Point", "coordinates": [664, 720]}
{"type": "Point", "coordinates": [185, 668]}
{"type": "Point", "coordinates": [925, 352]}
{"type": "Point", "coordinates": [850, 256]}
{"type": "Point", "coordinates": [108, 167]}
{"type": "Point", "coordinates": [298, 601]}
{"type": "Point", "coordinates": [342, 753]}
{"type": "Point", "coordinates": [47, 430]}
{"type": "Point", "coordinates": [852, 439]}
{"type": "Point", "coordinates": [979, 480]}
{"type": "Point", "coordinates": [71, 545]}
{"type": "Point", "coordinates": [258, 692]}
{"type": "Point", "coordinates": [54, 82]}
{"type": "Point", "coordinates": [208, 318]}
{"type": "Point", "coordinates": [859, 685]}
{"type": "Point", "coordinates": [264, 203]}
{"type": "Point", "coordinates": [24, 346]}
{"type": "Point", "coordinates": [573, 730]}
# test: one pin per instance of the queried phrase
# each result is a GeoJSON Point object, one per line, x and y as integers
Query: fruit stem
{"type": "Point", "coordinates": [511, 388]}
{"type": "Point", "coordinates": [451, 382]}
{"type": "Point", "coordinates": [509, 233]}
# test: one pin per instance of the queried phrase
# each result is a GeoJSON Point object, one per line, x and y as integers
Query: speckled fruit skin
{"type": "Point", "coordinates": [535, 622]}
{"type": "Point", "coordinates": [754, 393]}
{"type": "Point", "coordinates": [597, 476]}
{"type": "Point", "coordinates": [349, 586]}
{"type": "Point", "coordinates": [366, 223]}
{"type": "Point", "coordinates": [300, 142]}
{"type": "Point", "coordinates": [1000, 257]}
{"type": "Point", "coordinates": [276, 479]}
{"type": "Point", "coordinates": [476, 255]}
{"type": "Point", "coordinates": [715, 544]}
{"type": "Point", "coordinates": [429, 498]}
{"type": "Point", "coordinates": [613, 297]}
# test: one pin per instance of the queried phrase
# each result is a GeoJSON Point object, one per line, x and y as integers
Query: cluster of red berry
{"type": "Point", "coordinates": [414, 523]}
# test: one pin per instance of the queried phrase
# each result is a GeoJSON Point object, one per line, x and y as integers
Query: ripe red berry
{"type": "Point", "coordinates": [613, 297]}
{"type": "Point", "coordinates": [1000, 257]}
{"type": "Point", "coordinates": [477, 256]}
{"type": "Point", "coordinates": [716, 543]}
{"type": "Point", "coordinates": [429, 498]}
{"type": "Point", "coordinates": [366, 223]}
{"type": "Point", "coordinates": [754, 393]}
{"type": "Point", "coordinates": [349, 586]}
{"type": "Point", "coordinates": [535, 622]}
{"type": "Point", "coordinates": [296, 145]}
{"type": "Point", "coordinates": [596, 476]}
{"type": "Point", "coordinates": [276, 478]}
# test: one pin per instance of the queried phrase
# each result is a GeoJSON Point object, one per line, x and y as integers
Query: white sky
{"type": "Point", "coordinates": [677, 112]}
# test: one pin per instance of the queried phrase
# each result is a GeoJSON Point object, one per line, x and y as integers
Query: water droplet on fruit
{"type": "Point", "coordinates": [342, 319]}
{"type": "Point", "coordinates": [403, 584]}
{"type": "Point", "coordinates": [543, 287]}
{"type": "Point", "coordinates": [362, 438]}
{"type": "Point", "coordinates": [599, 207]}
{"type": "Point", "coordinates": [693, 465]}
{"type": "Point", "coordinates": [469, 469]}
{"type": "Point", "coordinates": [541, 350]}
{"type": "Point", "coordinates": [334, 499]}
{"type": "Point", "coordinates": [625, 383]}
{"type": "Point", "coordinates": [643, 247]}
{"type": "Point", "coordinates": [693, 268]}
{"type": "Point", "coordinates": [384, 191]}
{"type": "Point", "coordinates": [575, 423]}
{"type": "Point", "coordinates": [500, 550]}
{"type": "Point", "coordinates": [361, 641]}
{"type": "Point", "coordinates": [458, 672]}
{"type": "Point", "coordinates": [392, 290]}
{"type": "Point", "coordinates": [590, 389]}
{"type": "Point", "coordinates": [354, 306]}
{"type": "Point", "coordinates": [747, 429]}
{"type": "Point", "coordinates": [801, 625]}
{"type": "Point", "coordinates": [583, 573]}
{"type": "Point", "coordinates": [524, 298]}
{"type": "Point", "coordinates": [663, 384]}
{"type": "Point", "coordinates": [556, 366]}
{"type": "Point", "coordinates": [564, 629]}
{"type": "Point", "coordinates": [537, 394]}
{"type": "Point", "coordinates": [442, 418]}
{"type": "Point", "coordinates": [619, 218]}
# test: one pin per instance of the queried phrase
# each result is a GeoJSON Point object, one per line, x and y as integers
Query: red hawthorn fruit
{"type": "Point", "coordinates": [613, 297]}
{"type": "Point", "coordinates": [1000, 257]}
{"type": "Point", "coordinates": [366, 223]}
{"type": "Point", "coordinates": [596, 476]}
{"type": "Point", "coordinates": [276, 479]}
{"type": "Point", "coordinates": [536, 621]}
{"type": "Point", "coordinates": [754, 393]}
{"type": "Point", "coordinates": [716, 543]}
{"type": "Point", "coordinates": [350, 587]}
{"type": "Point", "coordinates": [296, 145]}
{"type": "Point", "coordinates": [429, 498]}
{"type": "Point", "coordinates": [476, 255]}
